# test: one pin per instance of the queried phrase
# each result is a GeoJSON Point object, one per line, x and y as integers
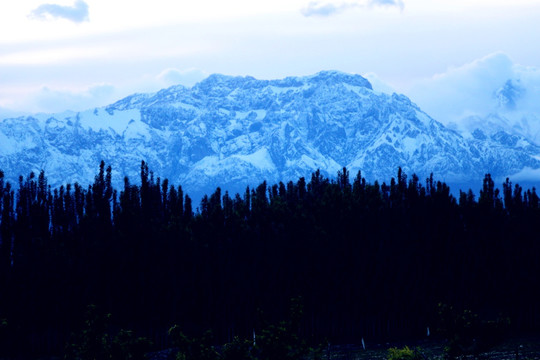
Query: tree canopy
{"type": "Point", "coordinates": [370, 260]}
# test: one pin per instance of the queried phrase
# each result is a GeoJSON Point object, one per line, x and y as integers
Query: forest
{"type": "Point", "coordinates": [368, 260]}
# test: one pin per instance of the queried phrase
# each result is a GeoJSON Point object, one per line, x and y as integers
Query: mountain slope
{"type": "Point", "coordinates": [234, 131]}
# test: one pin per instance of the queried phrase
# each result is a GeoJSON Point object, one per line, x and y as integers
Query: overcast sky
{"type": "Point", "coordinates": [65, 54]}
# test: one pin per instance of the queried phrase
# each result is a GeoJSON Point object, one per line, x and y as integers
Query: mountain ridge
{"type": "Point", "coordinates": [236, 131]}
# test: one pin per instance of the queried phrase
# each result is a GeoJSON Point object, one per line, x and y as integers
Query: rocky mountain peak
{"type": "Point", "coordinates": [333, 77]}
{"type": "Point", "coordinates": [236, 131]}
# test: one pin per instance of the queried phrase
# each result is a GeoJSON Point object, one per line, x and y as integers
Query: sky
{"type": "Point", "coordinates": [57, 55]}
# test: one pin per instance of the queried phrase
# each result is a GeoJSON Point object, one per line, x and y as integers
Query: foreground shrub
{"type": "Point", "coordinates": [405, 354]}
{"type": "Point", "coordinates": [467, 334]}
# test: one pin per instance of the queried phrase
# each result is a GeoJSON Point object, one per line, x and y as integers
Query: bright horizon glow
{"type": "Point", "coordinates": [71, 48]}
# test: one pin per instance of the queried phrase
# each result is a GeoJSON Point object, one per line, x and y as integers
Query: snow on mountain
{"type": "Point", "coordinates": [234, 131]}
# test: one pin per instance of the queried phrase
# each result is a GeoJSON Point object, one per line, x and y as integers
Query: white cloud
{"type": "Point", "coordinates": [49, 100]}
{"type": "Point", "coordinates": [315, 8]}
{"type": "Point", "coordinates": [378, 84]}
{"type": "Point", "coordinates": [398, 3]}
{"type": "Point", "coordinates": [28, 99]}
{"type": "Point", "coordinates": [187, 77]}
{"type": "Point", "coordinates": [492, 93]}
{"type": "Point", "coordinates": [463, 91]}
{"type": "Point", "coordinates": [323, 9]}
{"type": "Point", "coordinates": [526, 175]}
{"type": "Point", "coordinates": [76, 13]}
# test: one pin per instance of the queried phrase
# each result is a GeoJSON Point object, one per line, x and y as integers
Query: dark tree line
{"type": "Point", "coordinates": [370, 260]}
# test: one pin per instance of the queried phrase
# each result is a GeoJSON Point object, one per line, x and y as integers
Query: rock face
{"type": "Point", "coordinates": [233, 131]}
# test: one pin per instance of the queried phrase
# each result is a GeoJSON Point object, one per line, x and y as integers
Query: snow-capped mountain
{"type": "Point", "coordinates": [234, 131]}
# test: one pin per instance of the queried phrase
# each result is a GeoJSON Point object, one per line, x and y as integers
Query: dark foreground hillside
{"type": "Point", "coordinates": [370, 261]}
{"type": "Point", "coordinates": [511, 349]}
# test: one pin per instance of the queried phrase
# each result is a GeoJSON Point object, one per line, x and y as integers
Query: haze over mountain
{"type": "Point", "coordinates": [492, 92]}
{"type": "Point", "coordinates": [234, 131]}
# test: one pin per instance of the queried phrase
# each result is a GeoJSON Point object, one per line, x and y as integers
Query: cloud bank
{"type": "Point", "coordinates": [489, 93]}
{"type": "Point", "coordinates": [465, 90]}
{"type": "Point", "coordinates": [378, 84]}
{"type": "Point", "coordinates": [51, 100]}
{"type": "Point", "coordinates": [77, 13]}
{"type": "Point", "coordinates": [189, 77]}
